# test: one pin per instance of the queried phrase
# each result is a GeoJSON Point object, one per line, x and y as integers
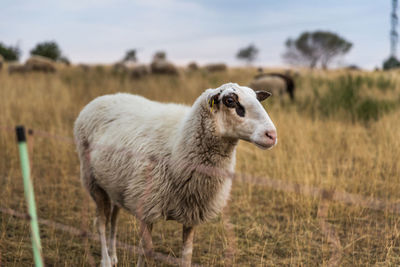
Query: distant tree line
{"type": "Point", "coordinates": [311, 49]}
{"type": "Point", "coordinates": [48, 49]}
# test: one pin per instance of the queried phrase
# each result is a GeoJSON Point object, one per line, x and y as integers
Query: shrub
{"type": "Point", "coordinates": [10, 53]}
{"type": "Point", "coordinates": [391, 63]}
{"type": "Point", "coordinates": [47, 49]}
{"type": "Point", "coordinates": [343, 100]}
{"type": "Point", "coordinates": [371, 109]}
{"type": "Point", "coordinates": [384, 83]}
{"type": "Point", "coordinates": [130, 56]}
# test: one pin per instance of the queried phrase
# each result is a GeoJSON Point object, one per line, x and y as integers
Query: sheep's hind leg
{"type": "Point", "coordinates": [146, 243]}
{"type": "Point", "coordinates": [103, 214]}
{"type": "Point", "coordinates": [113, 235]}
{"type": "Point", "coordinates": [187, 234]}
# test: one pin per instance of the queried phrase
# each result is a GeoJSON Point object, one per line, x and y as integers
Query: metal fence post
{"type": "Point", "coordinates": [29, 195]}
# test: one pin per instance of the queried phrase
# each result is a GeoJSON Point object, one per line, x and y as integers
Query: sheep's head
{"type": "Point", "coordinates": [239, 114]}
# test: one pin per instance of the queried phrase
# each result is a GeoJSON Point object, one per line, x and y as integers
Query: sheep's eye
{"type": "Point", "coordinates": [229, 102]}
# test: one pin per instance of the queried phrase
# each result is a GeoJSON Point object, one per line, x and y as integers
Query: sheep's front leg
{"type": "Point", "coordinates": [101, 228]}
{"type": "Point", "coordinates": [187, 233]}
{"type": "Point", "coordinates": [146, 243]}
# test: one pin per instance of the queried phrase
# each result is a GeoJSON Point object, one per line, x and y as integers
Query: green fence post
{"type": "Point", "coordinates": [29, 196]}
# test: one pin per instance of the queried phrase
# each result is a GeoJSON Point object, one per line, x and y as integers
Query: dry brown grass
{"type": "Point", "coordinates": [270, 225]}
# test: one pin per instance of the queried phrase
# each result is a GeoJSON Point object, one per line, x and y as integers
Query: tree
{"type": "Point", "coordinates": [10, 53]}
{"type": "Point", "coordinates": [391, 63]}
{"type": "Point", "coordinates": [130, 56]}
{"type": "Point", "coordinates": [47, 49]}
{"type": "Point", "coordinates": [248, 54]}
{"type": "Point", "coordinates": [315, 48]}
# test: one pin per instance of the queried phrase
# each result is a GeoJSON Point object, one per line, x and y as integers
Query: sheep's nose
{"type": "Point", "coordinates": [271, 136]}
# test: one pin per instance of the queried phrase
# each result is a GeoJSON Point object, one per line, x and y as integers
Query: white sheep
{"type": "Point", "coordinates": [166, 161]}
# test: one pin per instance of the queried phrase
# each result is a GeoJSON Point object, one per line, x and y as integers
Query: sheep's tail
{"type": "Point", "coordinates": [83, 148]}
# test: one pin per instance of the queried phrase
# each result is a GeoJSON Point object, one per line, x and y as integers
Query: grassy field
{"type": "Point", "coordinates": [341, 134]}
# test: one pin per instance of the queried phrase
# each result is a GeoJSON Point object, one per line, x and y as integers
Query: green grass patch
{"type": "Point", "coordinates": [343, 99]}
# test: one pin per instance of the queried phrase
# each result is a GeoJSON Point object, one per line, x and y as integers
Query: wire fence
{"type": "Point", "coordinates": [325, 196]}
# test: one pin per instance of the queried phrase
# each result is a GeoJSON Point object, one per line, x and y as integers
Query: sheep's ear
{"type": "Point", "coordinates": [214, 101]}
{"type": "Point", "coordinates": [262, 95]}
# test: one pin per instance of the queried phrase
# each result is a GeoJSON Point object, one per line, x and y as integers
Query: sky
{"type": "Point", "coordinates": [205, 31]}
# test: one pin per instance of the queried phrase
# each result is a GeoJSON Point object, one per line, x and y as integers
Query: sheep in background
{"type": "Point", "coordinates": [166, 161]}
{"type": "Point", "coordinates": [216, 67]}
{"type": "Point", "coordinates": [139, 71]}
{"type": "Point", "coordinates": [134, 70]}
{"type": "Point", "coordinates": [192, 66]}
{"type": "Point", "coordinates": [160, 65]}
{"type": "Point", "coordinates": [39, 63]}
{"type": "Point", "coordinates": [16, 68]}
{"type": "Point", "coordinates": [277, 83]}
{"type": "Point", "coordinates": [119, 68]}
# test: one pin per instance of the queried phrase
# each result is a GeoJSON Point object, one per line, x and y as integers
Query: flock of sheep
{"type": "Point", "coordinates": [160, 65]}
{"type": "Point", "coordinates": [277, 83]}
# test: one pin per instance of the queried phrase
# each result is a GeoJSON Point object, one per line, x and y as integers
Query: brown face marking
{"type": "Point", "coordinates": [240, 110]}
{"type": "Point", "coordinates": [232, 101]}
